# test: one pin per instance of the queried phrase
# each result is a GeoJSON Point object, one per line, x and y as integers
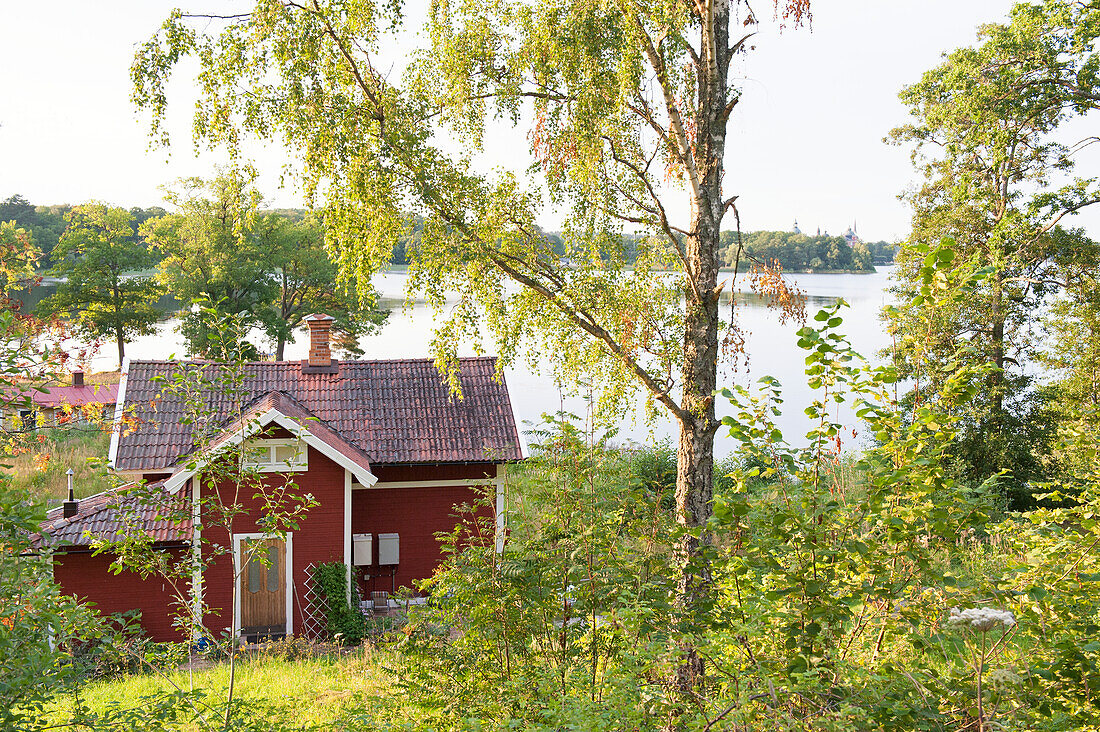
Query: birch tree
{"type": "Point", "coordinates": [627, 104]}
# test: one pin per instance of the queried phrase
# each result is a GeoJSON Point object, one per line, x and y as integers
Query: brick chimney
{"type": "Point", "coordinates": [320, 355]}
{"type": "Point", "coordinates": [78, 378]}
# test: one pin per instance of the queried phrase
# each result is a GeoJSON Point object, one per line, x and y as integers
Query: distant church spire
{"type": "Point", "coordinates": [851, 236]}
{"type": "Point", "coordinates": [796, 229]}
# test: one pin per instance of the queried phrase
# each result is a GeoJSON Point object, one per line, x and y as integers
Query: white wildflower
{"type": "Point", "coordinates": [981, 619]}
{"type": "Point", "coordinates": [1001, 677]}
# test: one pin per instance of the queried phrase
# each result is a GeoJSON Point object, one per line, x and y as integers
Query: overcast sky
{"type": "Point", "coordinates": [806, 141]}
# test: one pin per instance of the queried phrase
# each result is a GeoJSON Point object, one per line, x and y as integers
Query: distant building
{"type": "Point", "coordinates": [851, 236]}
{"type": "Point", "coordinates": [28, 409]}
{"type": "Point", "coordinates": [796, 229]}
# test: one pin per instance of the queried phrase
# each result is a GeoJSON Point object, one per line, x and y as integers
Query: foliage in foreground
{"type": "Point", "coordinates": [283, 685]}
{"type": "Point", "coordinates": [832, 602]}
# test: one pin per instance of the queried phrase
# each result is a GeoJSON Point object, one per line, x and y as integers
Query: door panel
{"type": "Point", "coordinates": [263, 586]}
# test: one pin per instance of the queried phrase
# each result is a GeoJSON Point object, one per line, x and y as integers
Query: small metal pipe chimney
{"type": "Point", "coordinates": [70, 507]}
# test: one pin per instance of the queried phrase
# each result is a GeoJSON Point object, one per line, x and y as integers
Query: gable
{"type": "Point", "coordinates": [277, 409]}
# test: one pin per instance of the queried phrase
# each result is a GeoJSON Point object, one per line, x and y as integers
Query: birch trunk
{"type": "Point", "coordinates": [698, 426]}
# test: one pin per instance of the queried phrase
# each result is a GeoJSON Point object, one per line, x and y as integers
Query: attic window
{"type": "Point", "coordinates": [275, 455]}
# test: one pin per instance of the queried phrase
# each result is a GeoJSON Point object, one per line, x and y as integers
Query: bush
{"type": "Point", "coordinates": [119, 646]}
{"type": "Point", "coordinates": [343, 622]}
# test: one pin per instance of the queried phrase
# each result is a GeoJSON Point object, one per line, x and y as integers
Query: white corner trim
{"type": "Point", "coordinates": [238, 573]}
{"type": "Point", "coordinates": [458, 482]}
{"type": "Point", "coordinates": [196, 556]}
{"type": "Point", "coordinates": [177, 479]}
{"type": "Point", "coordinates": [501, 480]}
{"type": "Point", "coordinates": [347, 533]}
{"type": "Point", "coordinates": [120, 408]}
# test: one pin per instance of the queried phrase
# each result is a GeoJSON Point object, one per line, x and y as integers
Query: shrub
{"type": "Point", "coordinates": [343, 622]}
{"type": "Point", "coordinates": [119, 645]}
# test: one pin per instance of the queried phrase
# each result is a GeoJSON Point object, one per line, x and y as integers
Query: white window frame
{"type": "Point", "coordinates": [272, 444]}
{"type": "Point", "coordinates": [238, 573]}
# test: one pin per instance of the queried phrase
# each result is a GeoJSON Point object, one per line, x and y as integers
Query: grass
{"type": "Point", "coordinates": [331, 691]}
{"type": "Point", "coordinates": [38, 460]}
{"type": "Point", "coordinates": [43, 457]}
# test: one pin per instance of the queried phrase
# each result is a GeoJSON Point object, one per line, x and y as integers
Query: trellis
{"type": "Point", "coordinates": [314, 608]}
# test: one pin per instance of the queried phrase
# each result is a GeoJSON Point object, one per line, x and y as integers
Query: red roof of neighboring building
{"type": "Point", "coordinates": [76, 396]}
{"type": "Point", "coordinates": [390, 412]}
{"type": "Point", "coordinates": [164, 517]}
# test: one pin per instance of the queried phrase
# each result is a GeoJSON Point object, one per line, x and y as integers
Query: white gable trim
{"type": "Point", "coordinates": [271, 416]}
{"type": "Point", "coordinates": [120, 409]}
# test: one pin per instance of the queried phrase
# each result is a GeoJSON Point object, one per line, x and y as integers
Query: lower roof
{"type": "Point", "coordinates": [126, 512]}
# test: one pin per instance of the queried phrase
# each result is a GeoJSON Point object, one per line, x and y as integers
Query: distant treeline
{"type": "Point", "coordinates": [46, 224]}
{"type": "Point", "coordinates": [795, 252]}
{"type": "Point", "coordinates": [800, 253]}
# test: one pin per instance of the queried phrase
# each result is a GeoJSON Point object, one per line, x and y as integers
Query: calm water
{"type": "Point", "coordinates": [771, 346]}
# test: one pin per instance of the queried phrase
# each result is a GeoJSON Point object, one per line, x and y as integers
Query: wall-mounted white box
{"type": "Point", "coordinates": [388, 549]}
{"type": "Point", "coordinates": [362, 549]}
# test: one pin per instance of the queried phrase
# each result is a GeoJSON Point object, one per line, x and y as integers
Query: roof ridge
{"type": "Point", "coordinates": [298, 362]}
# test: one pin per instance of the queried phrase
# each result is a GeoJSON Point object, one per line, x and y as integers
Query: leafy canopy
{"type": "Point", "coordinates": [104, 293]}
{"type": "Point", "coordinates": [611, 95]}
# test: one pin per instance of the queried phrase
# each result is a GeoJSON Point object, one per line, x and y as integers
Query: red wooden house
{"type": "Point", "coordinates": [28, 409]}
{"type": "Point", "coordinates": [382, 446]}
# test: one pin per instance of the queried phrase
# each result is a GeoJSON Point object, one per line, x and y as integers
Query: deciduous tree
{"type": "Point", "coordinates": [210, 255]}
{"type": "Point", "coordinates": [269, 269]}
{"type": "Point", "coordinates": [306, 281]}
{"type": "Point", "coordinates": [987, 137]}
{"type": "Point", "coordinates": [628, 104]}
{"type": "Point", "coordinates": [103, 293]}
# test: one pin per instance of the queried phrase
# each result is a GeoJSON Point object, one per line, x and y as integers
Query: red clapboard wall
{"type": "Point", "coordinates": [416, 514]}
{"type": "Point", "coordinates": [83, 576]}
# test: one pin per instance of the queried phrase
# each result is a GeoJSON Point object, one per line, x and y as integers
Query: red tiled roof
{"type": "Point", "coordinates": [391, 411]}
{"type": "Point", "coordinates": [165, 518]}
{"type": "Point", "coordinates": [76, 396]}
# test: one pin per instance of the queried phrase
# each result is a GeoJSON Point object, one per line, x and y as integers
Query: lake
{"type": "Point", "coordinates": [771, 346]}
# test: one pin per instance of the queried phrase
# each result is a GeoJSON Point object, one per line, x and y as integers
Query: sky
{"type": "Point", "coordinates": [806, 142]}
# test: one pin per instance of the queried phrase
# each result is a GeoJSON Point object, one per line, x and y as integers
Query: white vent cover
{"type": "Point", "coordinates": [362, 549]}
{"type": "Point", "coordinates": [388, 552]}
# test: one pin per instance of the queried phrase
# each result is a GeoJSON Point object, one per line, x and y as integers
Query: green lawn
{"type": "Point", "coordinates": [327, 692]}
